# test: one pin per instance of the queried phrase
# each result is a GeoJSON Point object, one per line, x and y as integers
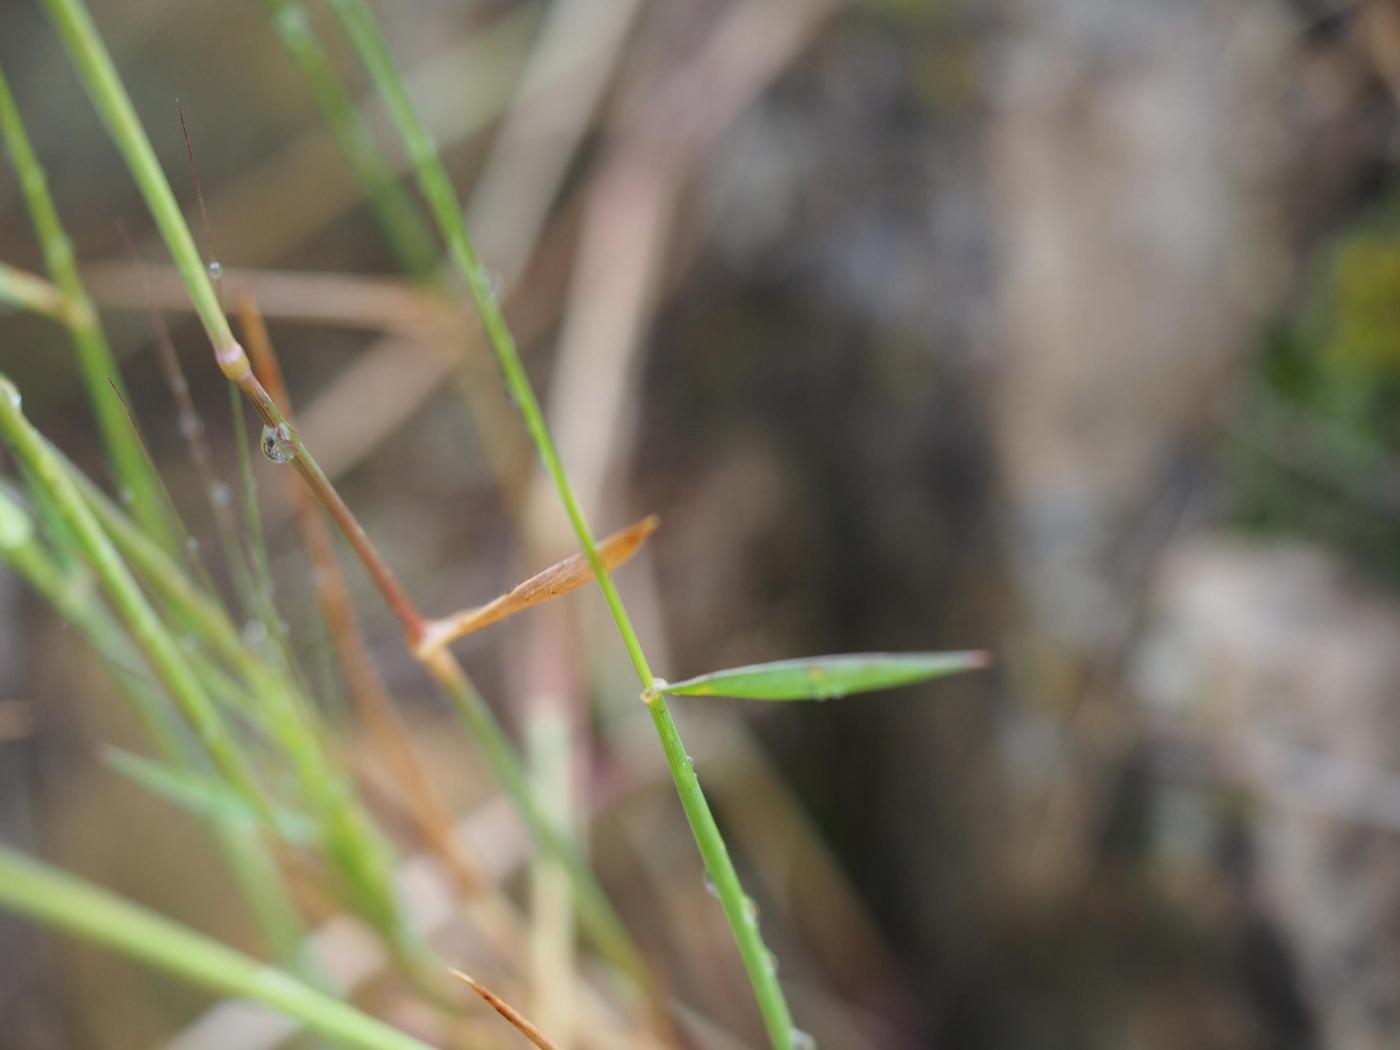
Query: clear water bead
{"type": "Point", "coordinates": [802, 1040]}
{"type": "Point", "coordinates": [216, 269]}
{"type": "Point", "coordinates": [277, 443]}
{"type": "Point", "coordinates": [710, 886]}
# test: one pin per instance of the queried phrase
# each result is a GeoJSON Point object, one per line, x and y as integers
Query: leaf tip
{"type": "Point", "coordinates": [510, 1013]}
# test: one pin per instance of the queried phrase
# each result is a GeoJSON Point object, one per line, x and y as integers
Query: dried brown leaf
{"type": "Point", "coordinates": [557, 580]}
{"type": "Point", "coordinates": [510, 1013]}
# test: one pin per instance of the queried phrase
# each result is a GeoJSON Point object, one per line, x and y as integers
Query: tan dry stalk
{"type": "Point", "coordinates": [510, 1013]}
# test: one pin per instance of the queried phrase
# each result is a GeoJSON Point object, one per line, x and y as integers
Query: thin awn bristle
{"type": "Point", "coordinates": [215, 267]}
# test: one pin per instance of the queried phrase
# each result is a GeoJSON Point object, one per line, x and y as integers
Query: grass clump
{"type": "Point", "coordinates": [239, 738]}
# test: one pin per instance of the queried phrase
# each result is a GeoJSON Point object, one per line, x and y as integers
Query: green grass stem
{"type": "Point", "coordinates": [597, 915]}
{"type": "Point", "coordinates": [40, 892]}
{"type": "Point", "coordinates": [437, 190]}
{"type": "Point", "coordinates": [100, 78]}
{"type": "Point", "coordinates": [137, 478]}
{"type": "Point", "coordinates": [71, 592]}
{"type": "Point", "coordinates": [104, 87]}
{"type": "Point", "coordinates": [409, 236]}
{"type": "Point", "coordinates": [25, 291]}
{"type": "Point", "coordinates": [73, 597]}
{"type": "Point", "coordinates": [148, 631]}
{"type": "Point", "coordinates": [276, 705]}
{"type": "Point", "coordinates": [348, 839]}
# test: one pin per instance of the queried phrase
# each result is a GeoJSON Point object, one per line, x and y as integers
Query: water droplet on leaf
{"type": "Point", "coordinates": [491, 281]}
{"type": "Point", "coordinates": [802, 1040]}
{"type": "Point", "coordinates": [277, 443]}
{"type": "Point", "coordinates": [710, 886]}
{"type": "Point", "coordinates": [216, 269]}
{"type": "Point", "coordinates": [510, 395]}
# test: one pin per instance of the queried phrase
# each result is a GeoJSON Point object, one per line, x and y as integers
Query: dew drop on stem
{"type": "Point", "coordinates": [277, 444]}
{"type": "Point", "coordinates": [216, 270]}
{"type": "Point", "coordinates": [490, 282]}
{"type": "Point", "coordinates": [710, 886]}
{"type": "Point", "coordinates": [509, 391]}
{"type": "Point", "coordinates": [802, 1040]}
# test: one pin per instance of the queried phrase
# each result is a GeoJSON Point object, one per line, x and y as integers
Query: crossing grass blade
{"type": "Point", "coordinates": [96, 365]}
{"type": "Point", "coordinates": [25, 291]}
{"type": "Point", "coordinates": [826, 677]}
{"type": "Point", "coordinates": [40, 892]}
{"type": "Point", "coordinates": [150, 633]}
{"type": "Point", "coordinates": [203, 795]}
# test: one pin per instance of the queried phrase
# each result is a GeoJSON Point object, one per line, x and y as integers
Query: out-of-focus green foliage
{"type": "Point", "coordinates": [1319, 418]}
{"type": "Point", "coordinates": [1360, 321]}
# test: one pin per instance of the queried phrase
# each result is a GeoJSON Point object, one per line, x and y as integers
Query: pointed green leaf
{"type": "Point", "coordinates": [825, 677]}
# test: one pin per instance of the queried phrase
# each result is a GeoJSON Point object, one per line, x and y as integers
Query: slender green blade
{"type": "Point", "coordinates": [97, 367]}
{"type": "Point", "coordinates": [205, 796]}
{"type": "Point", "coordinates": [47, 895]}
{"type": "Point", "coordinates": [827, 677]}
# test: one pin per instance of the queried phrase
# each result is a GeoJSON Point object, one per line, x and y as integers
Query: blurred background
{"type": "Point", "coordinates": [1068, 329]}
